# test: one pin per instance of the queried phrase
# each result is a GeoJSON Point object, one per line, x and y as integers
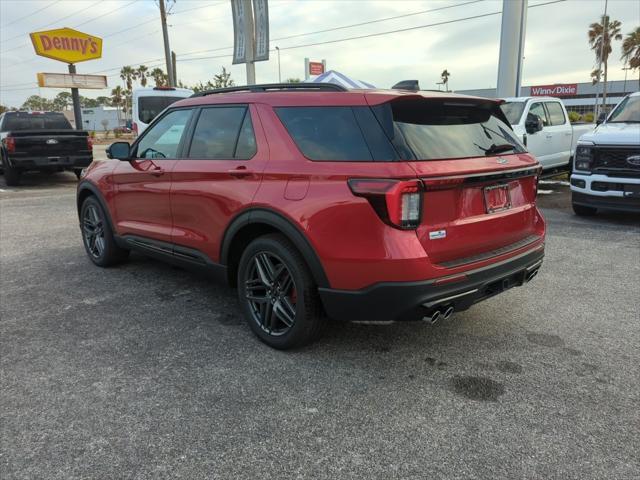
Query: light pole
{"type": "Point", "coordinates": [279, 75]}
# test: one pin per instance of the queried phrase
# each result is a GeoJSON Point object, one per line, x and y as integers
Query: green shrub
{"type": "Point", "coordinates": [117, 133]}
{"type": "Point", "coordinates": [588, 117]}
{"type": "Point", "coordinates": [574, 117]}
{"type": "Point", "coordinates": [106, 134]}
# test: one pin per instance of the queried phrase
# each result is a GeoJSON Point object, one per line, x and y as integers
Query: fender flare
{"type": "Point", "coordinates": [281, 223]}
{"type": "Point", "coordinates": [86, 185]}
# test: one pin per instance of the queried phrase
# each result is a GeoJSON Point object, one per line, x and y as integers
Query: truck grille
{"type": "Point", "coordinates": [615, 159]}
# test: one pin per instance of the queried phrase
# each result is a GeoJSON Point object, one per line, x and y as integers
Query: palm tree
{"type": "Point", "coordinates": [159, 77]}
{"type": "Point", "coordinates": [600, 36]}
{"type": "Point", "coordinates": [445, 79]}
{"type": "Point", "coordinates": [142, 73]}
{"type": "Point", "coordinates": [116, 99]}
{"type": "Point", "coordinates": [631, 50]}
{"type": "Point", "coordinates": [128, 74]}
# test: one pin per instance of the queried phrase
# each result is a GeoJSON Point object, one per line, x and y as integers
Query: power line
{"type": "Point", "coordinates": [31, 14]}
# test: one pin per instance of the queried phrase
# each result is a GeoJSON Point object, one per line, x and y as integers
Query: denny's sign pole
{"type": "Point", "coordinates": [70, 46]}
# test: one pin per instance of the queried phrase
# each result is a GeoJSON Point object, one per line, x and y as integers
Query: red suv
{"type": "Point", "coordinates": [317, 201]}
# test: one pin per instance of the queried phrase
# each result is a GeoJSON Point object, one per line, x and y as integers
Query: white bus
{"type": "Point", "coordinates": [148, 102]}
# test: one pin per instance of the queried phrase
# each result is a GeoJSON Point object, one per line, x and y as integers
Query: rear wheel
{"type": "Point", "coordinates": [77, 172]}
{"type": "Point", "coordinates": [277, 294]}
{"type": "Point", "coordinates": [583, 210]}
{"type": "Point", "coordinates": [11, 175]}
{"type": "Point", "coordinates": [97, 235]}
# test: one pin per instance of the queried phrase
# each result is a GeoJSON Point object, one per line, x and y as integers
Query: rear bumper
{"type": "Point", "coordinates": [603, 191]}
{"type": "Point", "coordinates": [413, 300]}
{"type": "Point", "coordinates": [53, 162]}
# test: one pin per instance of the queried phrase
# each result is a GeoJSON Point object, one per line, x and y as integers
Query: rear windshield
{"type": "Point", "coordinates": [35, 121]}
{"type": "Point", "coordinates": [400, 130]}
{"type": "Point", "coordinates": [150, 107]}
{"type": "Point", "coordinates": [513, 111]}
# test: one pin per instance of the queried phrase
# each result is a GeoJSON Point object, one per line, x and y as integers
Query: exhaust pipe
{"type": "Point", "coordinates": [532, 275]}
{"type": "Point", "coordinates": [447, 313]}
{"type": "Point", "coordinates": [433, 318]}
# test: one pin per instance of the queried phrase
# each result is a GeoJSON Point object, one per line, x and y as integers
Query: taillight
{"type": "Point", "coordinates": [89, 143]}
{"type": "Point", "coordinates": [397, 202]}
{"type": "Point", "coordinates": [9, 144]}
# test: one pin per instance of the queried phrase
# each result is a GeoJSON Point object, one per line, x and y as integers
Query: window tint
{"type": "Point", "coordinates": [36, 121]}
{"type": "Point", "coordinates": [326, 133]}
{"type": "Point", "coordinates": [150, 107]}
{"type": "Point", "coordinates": [556, 115]}
{"type": "Point", "coordinates": [538, 109]}
{"type": "Point", "coordinates": [218, 131]}
{"type": "Point", "coordinates": [162, 139]}
{"type": "Point", "coordinates": [429, 130]}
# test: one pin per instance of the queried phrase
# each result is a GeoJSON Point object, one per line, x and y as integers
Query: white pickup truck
{"type": "Point", "coordinates": [543, 126]}
{"type": "Point", "coordinates": [606, 172]}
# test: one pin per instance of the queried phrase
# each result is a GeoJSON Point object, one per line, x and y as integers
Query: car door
{"type": "Point", "coordinates": [559, 131]}
{"type": "Point", "coordinates": [539, 143]}
{"type": "Point", "coordinates": [143, 184]}
{"type": "Point", "coordinates": [218, 176]}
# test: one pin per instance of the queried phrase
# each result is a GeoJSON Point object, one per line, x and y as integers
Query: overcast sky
{"type": "Point", "coordinates": [556, 49]}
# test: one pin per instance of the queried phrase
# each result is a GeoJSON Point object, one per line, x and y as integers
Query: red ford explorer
{"type": "Point", "coordinates": [316, 201]}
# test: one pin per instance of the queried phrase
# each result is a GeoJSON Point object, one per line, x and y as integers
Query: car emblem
{"type": "Point", "coordinates": [52, 141]}
{"type": "Point", "coordinates": [502, 161]}
{"type": "Point", "coordinates": [634, 160]}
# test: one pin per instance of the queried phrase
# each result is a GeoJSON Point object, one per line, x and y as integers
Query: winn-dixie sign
{"type": "Point", "coordinates": [67, 45]}
{"type": "Point", "coordinates": [554, 90]}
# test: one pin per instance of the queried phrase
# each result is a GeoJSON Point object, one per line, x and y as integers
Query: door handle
{"type": "Point", "coordinates": [156, 172]}
{"type": "Point", "coordinates": [549, 136]}
{"type": "Point", "coordinates": [240, 171]}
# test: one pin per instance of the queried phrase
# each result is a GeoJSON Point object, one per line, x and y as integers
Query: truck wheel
{"type": "Point", "coordinates": [11, 175]}
{"type": "Point", "coordinates": [584, 211]}
{"type": "Point", "coordinates": [77, 172]}
{"type": "Point", "coordinates": [97, 235]}
{"type": "Point", "coordinates": [277, 294]}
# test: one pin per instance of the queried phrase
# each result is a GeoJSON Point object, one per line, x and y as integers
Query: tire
{"type": "Point", "coordinates": [77, 172]}
{"type": "Point", "coordinates": [584, 211]}
{"type": "Point", "coordinates": [97, 236]}
{"type": "Point", "coordinates": [277, 294]}
{"type": "Point", "coordinates": [11, 175]}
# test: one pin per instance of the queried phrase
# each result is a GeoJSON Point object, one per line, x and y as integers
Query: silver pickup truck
{"type": "Point", "coordinates": [542, 123]}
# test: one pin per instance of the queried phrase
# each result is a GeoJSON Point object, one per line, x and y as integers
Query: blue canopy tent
{"type": "Point", "coordinates": [338, 78]}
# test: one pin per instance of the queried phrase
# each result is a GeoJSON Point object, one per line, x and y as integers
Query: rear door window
{"type": "Point", "coordinates": [556, 114]}
{"type": "Point", "coordinates": [223, 133]}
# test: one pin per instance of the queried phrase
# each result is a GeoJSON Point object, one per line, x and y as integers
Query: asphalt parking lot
{"type": "Point", "coordinates": [147, 371]}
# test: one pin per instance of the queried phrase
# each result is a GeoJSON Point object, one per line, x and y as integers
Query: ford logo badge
{"type": "Point", "coordinates": [502, 161]}
{"type": "Point", "coordinates": [634, 160]}
{"type": "Point", "coordinates": [52, 141]}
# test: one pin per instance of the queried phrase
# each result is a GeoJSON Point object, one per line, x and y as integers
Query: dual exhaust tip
{"type": "Point", "coordinates": [443, 313]}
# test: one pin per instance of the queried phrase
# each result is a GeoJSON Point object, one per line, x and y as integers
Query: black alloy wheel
{"type": "Point", "coordinates": [271, 293]}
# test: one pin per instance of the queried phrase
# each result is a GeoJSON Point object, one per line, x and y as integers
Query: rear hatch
{"type": "Point", "coordinates": [479, 184]}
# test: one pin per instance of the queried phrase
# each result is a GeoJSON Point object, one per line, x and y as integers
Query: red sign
{"type": "Point", "coordinates": [554, 90]}
{"type": "Point", "coordinates": [316, 68]}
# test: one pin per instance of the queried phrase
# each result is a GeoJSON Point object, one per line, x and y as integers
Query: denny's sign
{"type": "Point", "coordinates": [67, 45]}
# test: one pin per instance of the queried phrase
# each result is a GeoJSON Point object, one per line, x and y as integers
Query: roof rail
{"type": "Point", "coordinates": [275, 86]}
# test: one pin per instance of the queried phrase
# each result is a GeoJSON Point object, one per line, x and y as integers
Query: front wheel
{"type": "Point", "coordinates": [97, 235]}
{"type": "Point", "coordinates": [277, 294]}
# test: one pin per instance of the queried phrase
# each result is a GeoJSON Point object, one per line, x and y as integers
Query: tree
{"type": "Point", "coordinates": [3, 109]}
{"type": "Point", "coordinates": [445, 79]}
{"type": "Point", "coordinates": [103, 101]}
{"type": "Point", "coordinates": [631, 51]}
{"type": "Point", "coordinates": [223, 79]}
{"type": "Point", "coordinates": [600, 36]}
{"type": "Point", "coordinates": [159, 77]}
{"type": "Point", "coordinates": [142, 73]}
{"type": "Point", "coordinates": [62, 101]}
{"type": "Point", "coordinates": [117, 96]}
{"type": "Point", "coordinates": [36, 102]}
{"type": "Point", "coordinates": [128, 74]}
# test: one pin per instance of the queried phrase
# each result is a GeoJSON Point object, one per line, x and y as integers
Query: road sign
{"type": "Point", "coordinates": [261, 21]}
{"type": "Point", "coordinates": [316, 68]}
{"type": "Point", "coordinates": [66, 45]}
{"type": "Point", "coordinates": [71, 80]}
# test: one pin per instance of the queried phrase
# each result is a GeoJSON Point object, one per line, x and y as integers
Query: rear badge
{"type": "Point", "coordinates": [435, 235]}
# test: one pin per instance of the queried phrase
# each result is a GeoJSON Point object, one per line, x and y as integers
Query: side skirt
{"type": "Point", "coordinates": [188, 258]}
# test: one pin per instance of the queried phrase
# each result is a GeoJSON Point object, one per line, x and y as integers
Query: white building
{"type": "Point", "coordinates": [101, 118]}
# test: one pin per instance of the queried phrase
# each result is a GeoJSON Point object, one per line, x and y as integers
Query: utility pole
{"type": "Point", "coordinates": [249, 42]}
{"type": "Point", "coordinates": [167, 50]}
{"type": "Point", "coordinates": [280, 75]}
{"type": "Point", "coordinates": [514, 22]}
{"type": "Point", "coordinates": [173, 67]}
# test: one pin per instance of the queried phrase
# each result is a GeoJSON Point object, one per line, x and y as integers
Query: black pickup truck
{"type": "Point", "coordinates": [43, 141]}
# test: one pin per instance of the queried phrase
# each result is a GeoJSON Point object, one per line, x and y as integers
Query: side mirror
{"type": "Point", "coordinates": [533, 124]}
{"type": "Point", "coordinates": [119, 150]}
{"type": "Point", "coordinates": [601, 118]}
